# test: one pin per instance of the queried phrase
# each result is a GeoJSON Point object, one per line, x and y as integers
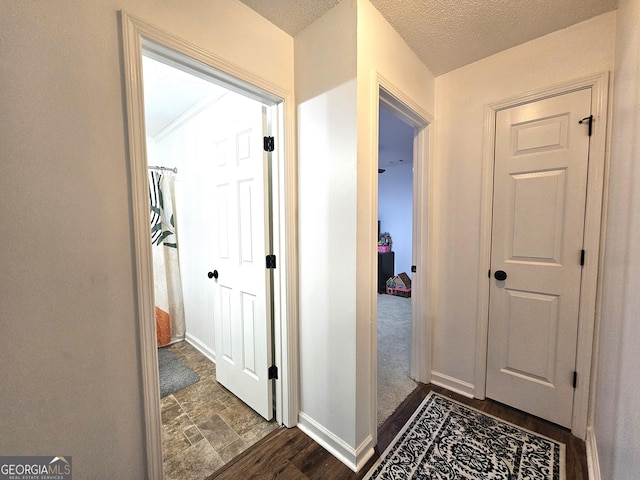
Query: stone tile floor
{"type": "Point", "coordinates": [204, 426]}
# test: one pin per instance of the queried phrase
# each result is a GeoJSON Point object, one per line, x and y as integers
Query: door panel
{"type": "Point", "coordinates": [540, 179]}
{"type": "Point", "coordinates": [246, 221]}
{"type": "Point", "coordinates": [226, 331]}
{"type": "Point", "coordinates": [541, 135]}
{"type": "Point", "coordinates": [535, 229]}
{"type": "Point", "coordinates": [222, 206]}
{"type": "Point", "coordinates": [241, 324]}
{"type": "Point", "coordinates": [533, 317]}
{"type": "Point", "coordinates": [249, 322]}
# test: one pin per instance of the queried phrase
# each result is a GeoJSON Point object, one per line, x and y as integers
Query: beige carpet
{"type": "Point", "coordinates": [394, 354]}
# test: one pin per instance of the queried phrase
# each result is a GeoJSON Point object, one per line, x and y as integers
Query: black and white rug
{"type": "Point", "coordinates": [446, 440]}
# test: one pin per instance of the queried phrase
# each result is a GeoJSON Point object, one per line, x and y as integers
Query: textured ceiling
{"type": "Point", "coordinates": [292, 16]}
{"type": "Point", "coordinates": [447, 34]}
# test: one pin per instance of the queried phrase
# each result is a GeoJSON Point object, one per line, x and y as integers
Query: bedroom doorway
{"type": "Point", "coordinates": [395, 258]}
{"type": "Point", "coordinates": [401, 339]}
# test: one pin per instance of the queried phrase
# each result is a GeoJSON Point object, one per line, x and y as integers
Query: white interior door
{"type": "Point", "coordinates": [540, 181]}
{"type": "Point", "coordinates": [240, 215]}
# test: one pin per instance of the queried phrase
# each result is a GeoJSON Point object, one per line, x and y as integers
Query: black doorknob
{"type": "Point", "coordinates": [213, 274]}
{"type": "Point", "coordinates": [500, 275]}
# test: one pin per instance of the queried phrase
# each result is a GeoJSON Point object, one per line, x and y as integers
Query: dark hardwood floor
{"type": "Point", "coordinates": [290, 454]}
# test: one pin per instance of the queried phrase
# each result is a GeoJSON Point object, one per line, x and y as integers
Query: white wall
{"type": "Point", "coordinates": [326, 96]}
{"type": "Point", "coordinates": [617, 416]}
{"type": "Point", "coordinates": [382, 54]}
{"type": "Point", "coordinates": [461, 96]}
{"type": "Point", "coordinates": [337, 116]}
{"type": "Point", "coordinates": [69, 349]}
{"type": "Point", "coordinates": [337, 223]}
{"type": "Point", "coordinates": [395, 210]}
{"type": "Point", "coordinates": [381, 50]}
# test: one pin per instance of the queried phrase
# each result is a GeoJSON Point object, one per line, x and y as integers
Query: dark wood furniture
{"type": "Point", "coordinates": [386, 266]}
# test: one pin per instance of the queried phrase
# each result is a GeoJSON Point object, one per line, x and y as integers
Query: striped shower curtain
{"type": "Point", "coordinates": [170, 321]}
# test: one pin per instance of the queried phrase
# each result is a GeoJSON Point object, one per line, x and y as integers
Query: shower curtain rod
{"type": "Point", "coordinates": [174, 170]}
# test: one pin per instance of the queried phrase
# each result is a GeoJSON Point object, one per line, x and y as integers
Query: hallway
{"type": "Point", "coordinates": [289, 453]}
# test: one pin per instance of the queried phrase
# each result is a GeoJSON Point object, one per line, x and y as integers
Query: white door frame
{"type": "Point", "coordinates": [593, 240]}
{"type": "Point", "coordinates": [136, 37]}
{"type": "Point", "coordinates": [422, 241]}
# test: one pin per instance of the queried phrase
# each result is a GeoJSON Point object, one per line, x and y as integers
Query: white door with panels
{"type": "Point", "coordinates": [540, 184]}
{"type": "Point", "coordinates": [240, 216]}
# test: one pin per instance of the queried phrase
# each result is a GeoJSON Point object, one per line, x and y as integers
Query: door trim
{"type": "Point", "coordinates": [422, 239]}
{"type": "Point", "coordinates": [593, 239]}
{"type": "Point", "coordinates": [421, 236]}
{"type": "Point", "coordinates": [137, 35]}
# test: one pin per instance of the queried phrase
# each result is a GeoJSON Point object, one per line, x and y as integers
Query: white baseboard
{"type": "Point", "coordinates": [201, 347]}
{"type": "Point", "coordinates": [593, 461]}
{"type": "Point", "coordinates": [453, 384]}
{"type": "Point", "coordinates": [354, 458]}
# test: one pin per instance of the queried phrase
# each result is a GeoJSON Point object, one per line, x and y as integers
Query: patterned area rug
{"type": "Point", "coordinates": [446, 440]}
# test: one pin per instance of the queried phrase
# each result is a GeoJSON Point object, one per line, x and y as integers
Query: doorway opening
{"type": "Point", "coordinates": [210, 212]}
{"type": "Point", "coordinates": [402, 340]}
{"type": "Point", "coordinates": [140, 39]}
{"type": "Point", "coordinates": [395, 258]}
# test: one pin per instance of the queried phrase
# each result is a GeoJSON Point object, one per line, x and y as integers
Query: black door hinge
{"type": "Point", "coordinates": [588, 119]}
{"type": "Point", "coordinates": [269, 144]}
{"type": "Point", "coordinates": [272, 373]}
{"type": "Point", "coordinates": [489, 273]}
{"type": "Point", "coordinates": [582, 254]}
{"type": "Point", "coordinates": [413, 269]}
{"type": "Point", "coordinates": [575, 379]}
{"type": "Point", "coordinates": [271, 261]}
